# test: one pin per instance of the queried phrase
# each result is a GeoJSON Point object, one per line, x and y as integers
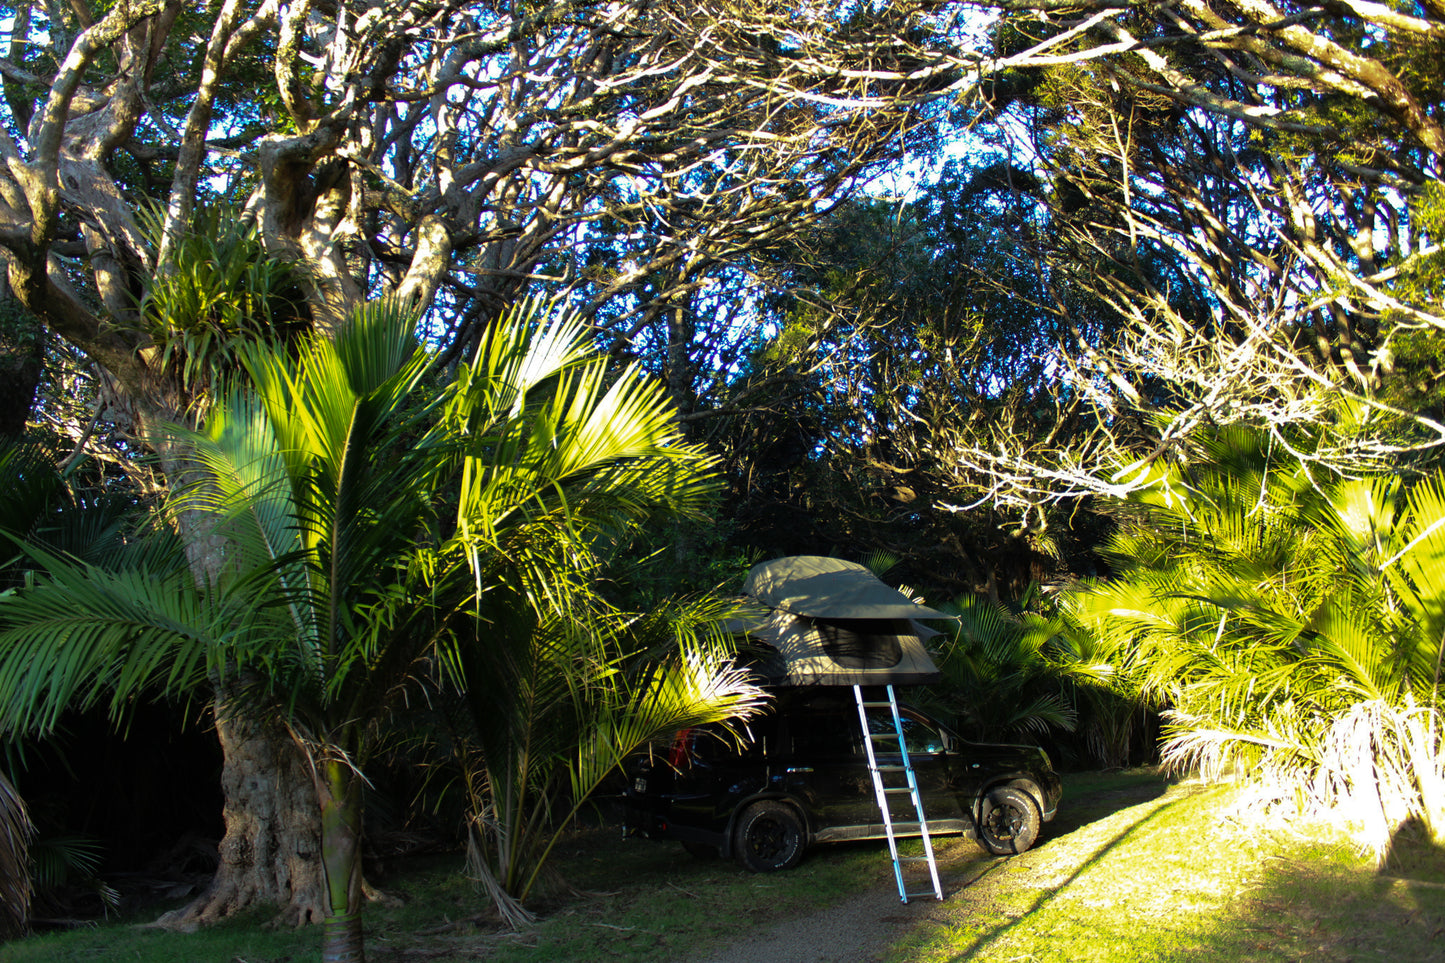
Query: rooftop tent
{"type": "Point", "coordinates": [833, 622]}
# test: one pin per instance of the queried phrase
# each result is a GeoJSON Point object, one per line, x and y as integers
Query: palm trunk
{"type": "Point", "coordinates": [339, 791]}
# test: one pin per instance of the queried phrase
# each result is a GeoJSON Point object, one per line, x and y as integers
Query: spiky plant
{"type": "Point", "coordinates": [15, 833]}
{"type": "Point", "coordinates": [219, 292]}
{"type": "Point", "coordinates": [1288, 621]}
{"type": "Point", "coordinates": [1016, 672]}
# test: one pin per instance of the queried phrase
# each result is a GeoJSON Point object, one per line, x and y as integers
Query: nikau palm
{"type": "Point", "coordinates": [384, 533]}
{"type": "Point", "coordinates": [577, 702]}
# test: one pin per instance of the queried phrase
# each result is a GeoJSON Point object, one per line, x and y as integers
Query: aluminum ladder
{"type": "Point", "coordinates": [883, 791]}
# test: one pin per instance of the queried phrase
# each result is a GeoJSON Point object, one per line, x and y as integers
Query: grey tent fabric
{"type": "Point", "coordinates": [830, 588]}
{"type": "Point", "coordinates": [834, 623]}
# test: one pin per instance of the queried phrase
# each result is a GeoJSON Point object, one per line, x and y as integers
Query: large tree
{"type": "Point", "coordinates": [1255, 189]}
{"type": "Point", "coordinates": [453, 154]}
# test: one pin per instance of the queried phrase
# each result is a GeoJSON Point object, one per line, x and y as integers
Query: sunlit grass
{"type": "Point", "coordinates": [1176, 879]}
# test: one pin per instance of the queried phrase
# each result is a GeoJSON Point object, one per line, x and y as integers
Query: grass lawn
{"type": "Point", "coordinates": [1133, 870]}
{"type": "Point", "coordinates": [1185, 877]}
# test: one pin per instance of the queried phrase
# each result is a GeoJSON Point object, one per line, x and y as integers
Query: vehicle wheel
{"type": "Point", "coordinates": [700, 850]}
{"type": "Point", "coordinates": [768, 837]}
{"type": "Point", "coordinates": [1008, 821]}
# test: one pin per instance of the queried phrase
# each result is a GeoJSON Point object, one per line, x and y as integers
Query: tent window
{"type": "Point", "coordinates": [864, 643]}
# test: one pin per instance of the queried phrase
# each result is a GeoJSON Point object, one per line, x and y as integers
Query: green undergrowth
{"type": "Point", "coordinates": [613, 899]}
{"type": "Point", "coordinates": [1133, 869]}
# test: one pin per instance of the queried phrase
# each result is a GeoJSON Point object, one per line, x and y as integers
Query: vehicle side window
{"type": "Point", "coordinates": [827, 733]}
{"type": "Point", "coordinates": [922, 737]}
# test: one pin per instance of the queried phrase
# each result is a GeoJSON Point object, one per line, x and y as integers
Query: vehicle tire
{"type": "Point", "coordinates": [1008, 821]}
{"type": "Point", "coordinates": [769, 837]}
{"type": "Point", "coordinates": [700, 850]}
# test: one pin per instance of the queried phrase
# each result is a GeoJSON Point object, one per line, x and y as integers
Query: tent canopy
{"type": "Point", "coordinates": [834, 623]}
{"type": "Point", "coordinates": [830, 588]}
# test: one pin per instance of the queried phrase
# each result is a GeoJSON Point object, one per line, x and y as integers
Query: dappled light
{"type": "Point", "coordinates": [398, 393]}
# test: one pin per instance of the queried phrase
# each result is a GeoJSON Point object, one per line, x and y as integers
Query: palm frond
{"type": "Point", "coordinates": [16, 832]}
{"type": "Point", "coordinates": [83, 636]}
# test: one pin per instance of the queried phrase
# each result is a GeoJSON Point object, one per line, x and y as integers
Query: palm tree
{"type": "Point", "coordinates": [1031, 670]}
{"type": "Point", "coordinates": [581, 696]}
{"type": "Point", "coordinates": [53, 512]}
{"type": "Point", "coordinates": [382, 533]}
{"type": "Point", "coordinates": [1293, 624]}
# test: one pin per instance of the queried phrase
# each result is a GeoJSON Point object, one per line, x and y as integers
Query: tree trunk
{"type": "Point", "coordinates": [272, 844]}
{"type": "Point", "coordinates": [19, 375]}
{"type": "Point", "coordinates": [22, 345]}
{"type": "Point", "coordinates": [273, 836]}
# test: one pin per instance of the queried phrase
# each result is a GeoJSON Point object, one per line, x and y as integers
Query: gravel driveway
{"type": "Point", "coordinates": [860, 929]}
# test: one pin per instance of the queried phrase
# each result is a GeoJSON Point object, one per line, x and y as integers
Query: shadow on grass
{"type": "Point", "coordinates": [1413, 854]}
{"type": "Point", "coordinates": [992, 934]}
{"type": "Point", "coordinates": [1183, 881]}
{"type": "Point", "coordinates": [1091, 796]}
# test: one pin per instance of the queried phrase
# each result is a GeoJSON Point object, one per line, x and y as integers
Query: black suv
{"type": "Point", "coordinates": [801, 777]}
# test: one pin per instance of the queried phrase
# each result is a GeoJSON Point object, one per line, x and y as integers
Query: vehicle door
{"type": "Point", "coordinates": [826, 766]}
{"type": "Point", "coordinates": [929, 756]}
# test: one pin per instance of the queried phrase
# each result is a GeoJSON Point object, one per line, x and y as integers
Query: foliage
{"type": "Point", "coordinates": [347, 587]}
{"type": "Point", "coordinates": [15, 876]}
{"type": "Point", "coordinates": [1293, 625]}
{"type": "Point", "coordinates": [904, 322]}
{"type": "Point", "coordinates": [1031, 671]}
{"type": "Point", "coordinates": [1258, 212]}
{"type": "Point", "coordinates": [46, 511]}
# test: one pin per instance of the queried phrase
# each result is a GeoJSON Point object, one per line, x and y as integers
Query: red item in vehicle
{"type": "Point", "coordinates": [679, 756]}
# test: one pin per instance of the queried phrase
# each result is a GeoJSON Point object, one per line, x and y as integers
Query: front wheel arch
{"type": "Point", "coordinates": [730, 830]}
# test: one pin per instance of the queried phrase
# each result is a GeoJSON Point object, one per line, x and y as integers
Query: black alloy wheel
{"type": "Point", "coordinates": [769, 837]}
{"type": "Point", "coordinates": [1008, 821]}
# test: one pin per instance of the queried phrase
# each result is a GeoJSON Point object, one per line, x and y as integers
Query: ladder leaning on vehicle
{"type": "Point", "coordinates": [893, 733]}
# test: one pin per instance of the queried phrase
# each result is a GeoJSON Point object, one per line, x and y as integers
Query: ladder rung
{"type": "Point", "coordinates": [913, 859]}
{"type": "Point", "coordinates": [923, 892]}
{"type": "Point", "coordinates": [882, 735]}
{"type": "Point", "coordinates": [892, 768]}
{"type": "Point", "coordinates": [877, 705]}
{"type": "Point", "coordinates": [897, 789]}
